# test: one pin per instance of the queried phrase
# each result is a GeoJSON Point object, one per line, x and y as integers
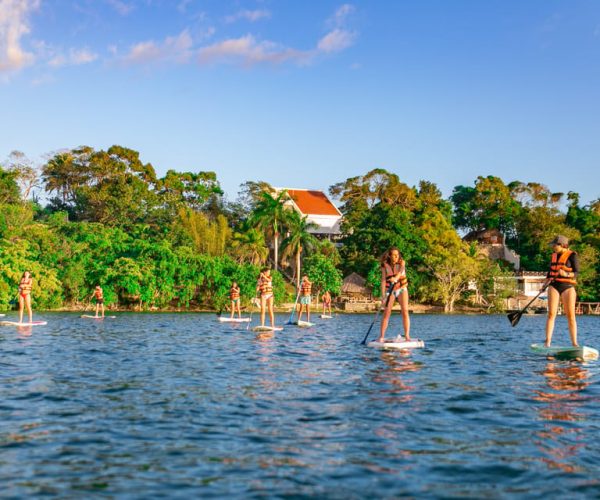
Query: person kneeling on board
{"type": "Point", "coordinates": [393, 272]}
{"type": "Point", "coordinates": [265, 287]}
{"type": "Point", "coordinates": [561, 281]}
{"type": "Point", "coordinates": [305, 297]}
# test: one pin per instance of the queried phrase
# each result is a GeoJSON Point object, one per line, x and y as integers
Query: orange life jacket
{"type": "Point", "coordinates": [390, 273]}
{"type": "Point", "coordinates": [98, 294]}
{"type": "Point", "coordinates": [557, 263]}
{"type": "Point", "coordinates": [305, 288]}
{"type": "Point", "coordinates": [25, 285]}
{"type": "Point", "coordinates": [234, 293]}
{"type": "Point", "coordinates": [265, 285]}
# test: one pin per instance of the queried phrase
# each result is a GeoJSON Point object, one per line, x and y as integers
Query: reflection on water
{"type": "Point", "coordinates": [180, 405]}
{"type": "Point", "coordinates": [562, 403]}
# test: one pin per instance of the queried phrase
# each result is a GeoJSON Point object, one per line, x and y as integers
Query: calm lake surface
{"type": "Point", "coordinates": [180, 406]}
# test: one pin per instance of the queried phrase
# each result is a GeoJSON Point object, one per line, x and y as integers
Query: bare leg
{"type": "Point", "coordinates": [21, 307]}
{"type": "Point", "coordinates": [28, 304]}
{"type": "Point", "coordinates": [263, 305]}
{"type": "Point", "coordinates": [97, 309]}
{"type": "Point", "coordinates": [102, 308]}
{"type": "Point", "coordinates": [232, 308]}
{"type": "Point", "coordinates": [271, 314]}
{"type": "Point", "coordinates": [553, 300]}
{"type": "Point", "coordinates": [386, 317]}
{"type": "Point", "coordinates": [403, 299]}
{"type": "Point", "coordinates": [308, 312]}
{"type": "Point", "coordinates": [568, 298]}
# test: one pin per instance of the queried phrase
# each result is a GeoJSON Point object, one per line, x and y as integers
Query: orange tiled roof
{"type": "Point", "coordinates": [313, 202]}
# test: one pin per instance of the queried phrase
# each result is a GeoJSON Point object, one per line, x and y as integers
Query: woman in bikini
{"type": "Point", "coordinates": [393, 274]}
{"type": "Point", "coordinates": [25, 286]}
{"type": "Point", "coordinates": [327, 303]}
{"type": "Point", "coordinates": [561, 281]}
{"type": "Point", "coordinates": [265, 287]}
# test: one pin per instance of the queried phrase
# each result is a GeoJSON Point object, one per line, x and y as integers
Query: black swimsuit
{"type": "Point", "coordinates": [573, 263]}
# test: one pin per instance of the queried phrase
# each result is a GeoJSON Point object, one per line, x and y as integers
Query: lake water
{"type": "Point", "coordinates": [180, 406]}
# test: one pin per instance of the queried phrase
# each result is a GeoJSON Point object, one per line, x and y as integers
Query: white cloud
{"type": "Point", "coordinates": [74, 57]}
{"type": "Point", "coordinates": [249, 15]}
{"type": "Point", "coordinates": [336, 41]}
{"type": "Point", "coordinates": [121, 7]}
{"type": "Point", "coordinates": [176, 49]}
{"type": "Point", "coordinates": [14, 24]}
{"type": "Point", "coordinates": [248, 51]}
{"type": "Point", "coordinates": [341, 14]}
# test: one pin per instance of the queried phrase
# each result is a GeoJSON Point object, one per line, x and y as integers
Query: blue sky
{"type": "Point", "coordinates": [306, 93]}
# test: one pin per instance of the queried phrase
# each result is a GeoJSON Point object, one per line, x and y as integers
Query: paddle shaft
{"type": "Point", "coordinates": [294, 308]}
{"type": "Point", "coordinates": [387, 301]}
{"type": "Point", "coordinates": [520, 313]}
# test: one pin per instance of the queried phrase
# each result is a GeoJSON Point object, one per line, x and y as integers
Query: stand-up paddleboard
{"type": "Point", "coordinates": [2, 315]}
{"type": "Point", "coordinates": [566, 352]}
{"type": "Point", "coordinates": [267, 329]}
{"type": "Point", "coordinates": [225, 319]}
{"type": "Point", "coordinates": [89, 316]}
{"type": "Point", "coordinates": [397, 344]}
{"type": "Point", "coordinates": [303, 324]}
{"type": "Point", "coordinates": [326, 316]}
{"type": "Point", "coordinates": [16, 323]}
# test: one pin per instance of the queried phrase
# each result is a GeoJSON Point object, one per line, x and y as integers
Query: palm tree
{"type": "Point", "coordinates": [269, 215]}
{"type": "Point", "coordinates": [249, 246]}
{"type": "Point", "coordinates": [298, 239]}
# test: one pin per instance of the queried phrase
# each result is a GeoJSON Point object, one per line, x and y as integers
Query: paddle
{"type": "Point", "coordinates": [289, 322]}
{"type": "Point", "coordinates": [387, 301]}
{"type": "Point", "coordinates": [252, 304]}
{"type": "Point", "coordinates": [515, 316]}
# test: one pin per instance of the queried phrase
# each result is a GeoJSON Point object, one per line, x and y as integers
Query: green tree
{"type": "Point", "coordinates": [298, 239]}
{"type": "Point", "coordinates": [323, 274]}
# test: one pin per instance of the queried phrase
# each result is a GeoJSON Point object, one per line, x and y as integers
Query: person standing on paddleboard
{"type": "Point", "coordinates": [305, 297]}
{"type": "Point", "coordinates": [234, 296]}
{"type": "Point", "coordinates": [99, 296]}
{"type": "Point", "coordinates": [265, 287]}
{"type": "Point", "coordinates": [561, 281]}
{"type": "Point", "coordinates": [25, 286]}
{"type": "Point", "coordinates": [393, 272]}
{"type": "Point", "coordinates": [327, 302]}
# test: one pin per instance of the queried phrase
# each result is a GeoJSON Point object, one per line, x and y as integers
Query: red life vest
{"type": "Point", "coordinates": [305, 288]}
{"type": "Point", "coordinates": [234, 293]}
{"type": "Point", "coordinates": [390, 273]}
{"type": "Point", "coordinates": [265, 285]}
{"type": "Point", "coordinates": [557, 263]}
{"type": "Point", "coordinates": [98, 294]}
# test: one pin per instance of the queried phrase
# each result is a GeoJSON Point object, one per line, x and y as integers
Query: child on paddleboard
{"type": "Point", "coordinates": [305, 297]}
{"type": "Point", "coordinates": [98, 295]}
{"type": "Point", "coordinates": [25, 286]}
{"type": "Point", "coordinates": [393, 274]}
{"type": "Point", "coordinates": [561, 280]}
{"type": "Point", "coordinates": [327, 303]}
{"type": "Point", "coordinates": [265, 287]}
{"type": "Point", "coordinates": [234, 296]}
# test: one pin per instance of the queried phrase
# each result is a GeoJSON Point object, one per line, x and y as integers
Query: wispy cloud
{"type": "Point", "coordinates": [336, 41]}
{"type": "Point", "coordinates": [177, 49]}
{"type": "Point", "coordinates": [341, 15]}
{"type": "Point", "coordinates": [74, 57]}
{"type": "Point", "coordinates": [248, 51]}
{"type": "Point", "coordinates": [248, 15]}
{"type": "Point", "coordinates": [14, 24]}
{"type": "Point", "coordinates": [123, 8]}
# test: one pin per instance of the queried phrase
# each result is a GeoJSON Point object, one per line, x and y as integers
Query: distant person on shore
{"type": "Point", "coordinates": [98, 295]}
{"type": "Point", "coordinates": [234, 296]}
{"type": "Point", "coordinates": [265, 288]}
{"type": "Point", "coordinates": [305, 297]}
{"type": "Point", "coordinates": [393, 274]}
{"type": "Point", "coordinates": [25, 286]}
{"type": "Point", "coordinates": [326, 303]}
{"type": "Point", "coordinates": [562, 278]}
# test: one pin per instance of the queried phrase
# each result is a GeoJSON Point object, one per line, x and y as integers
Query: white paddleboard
{"type": "Point", "coordinates": [394, 344]}
{"type": "Point", "coordinates": [89, 316]}
{"type": "Point", "coordinates": [326, 316]}
{"type": "Point", "coordinates": [2, 315]}
{"type": "Point", "coordinates": [225, 319]}
{"type": "Point", "coordinates": [303, 324]}
{"type": "Point", "coordinates": [566, 352]}
{"type": "Point", "coordinates": [267, 329]}
{"type": "Point", "coordinates": [16, 323]}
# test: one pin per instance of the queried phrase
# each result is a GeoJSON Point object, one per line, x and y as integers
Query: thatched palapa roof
{"type": "Point", "coordinates": [355, 283]}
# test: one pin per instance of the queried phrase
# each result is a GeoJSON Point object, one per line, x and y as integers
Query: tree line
{"type": "Point", "coordinates": [175, 241]}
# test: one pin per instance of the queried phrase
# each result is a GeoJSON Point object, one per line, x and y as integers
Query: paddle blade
{"type": "Point", "coordinates": [514, 317]}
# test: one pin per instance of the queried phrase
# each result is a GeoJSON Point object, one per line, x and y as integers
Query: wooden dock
{"type": "Point", "coordinates": [587, 308]}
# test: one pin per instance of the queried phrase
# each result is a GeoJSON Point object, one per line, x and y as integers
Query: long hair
{"type": "Point", "coordinates": [386, 258]}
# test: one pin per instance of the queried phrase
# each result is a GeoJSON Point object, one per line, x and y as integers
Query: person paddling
{"type": "Point", "coordinates": [25, 286]}
{"type": "Point", "coordinates": [327, 303]}
{"type": "Point", "coordinates": [98, 295]}
{"type": "Point", "coordinates": [393, 272]}
{"type": "Point", "coordinates": [234, 296]}
{"type": "Point", "coordinates": [265, 287]}
{"type": "Point", "coordinates": [305, 297]}
{"type": "Point", "coordinates": [561, 280]}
